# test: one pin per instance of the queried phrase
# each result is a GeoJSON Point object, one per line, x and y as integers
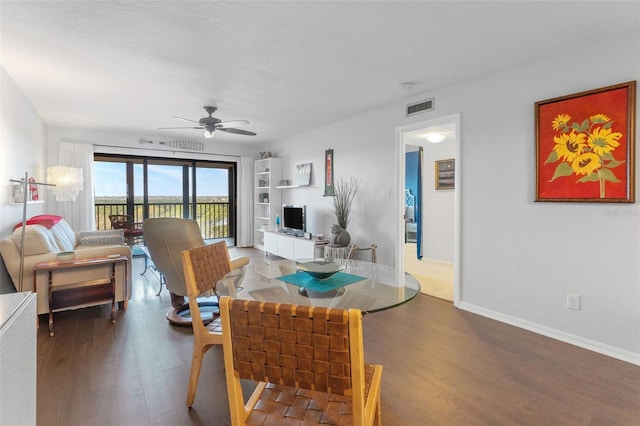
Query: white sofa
{"type": "Point", "coordinates": [45, 237]}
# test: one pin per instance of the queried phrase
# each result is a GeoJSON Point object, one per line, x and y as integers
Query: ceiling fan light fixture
{"type": "Point", "coordinates": [210, 124]}
{"type": "Point", "coordinates": [435, 137]}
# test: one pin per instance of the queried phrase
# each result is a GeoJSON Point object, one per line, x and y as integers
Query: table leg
{"type": "Point", "coordinates": [161, 279]}
{"type": "Point", "coordinates": [126, 284]}
{"type": "Point", "coordinates": [113, 292]}
{"type": "Point", "coordinates": [146, 260]}
{"type": "Point", "coordinates": [35, 291]}
{"type": "Point", "coordinates": [50, 303]}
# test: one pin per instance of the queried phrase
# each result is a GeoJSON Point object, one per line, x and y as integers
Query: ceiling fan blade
{"type": "Point", "coordinates": [226, 124]}
{"type": "Point", "coordinates": [186, 119]}
{"type": "Point", "coordinates": [168, 128]}
{"type": "Point", "coordinates": [237, 131]}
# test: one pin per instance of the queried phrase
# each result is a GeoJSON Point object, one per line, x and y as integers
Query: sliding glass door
{"type": "Point", "coordinates": [145, 187]}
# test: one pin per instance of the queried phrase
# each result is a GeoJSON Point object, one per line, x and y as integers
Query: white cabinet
{"type": "Point", "coordinates": [18, 365]}
{"type": "Point", "coordinates": [266, 198]}
{"type": "Point", "coordinates": [304, 249]}
{"type": "Point", "coordinates": [286, 247]}
{"type": "Point", "coordinates": [271, 242]}
{"type": "Point", "coordinates": [290, 247]}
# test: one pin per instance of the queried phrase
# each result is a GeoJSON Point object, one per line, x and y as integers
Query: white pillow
{"type": "Point", "coordinates": [37, 240]}
{"type": "Point", "coordinates": [61, 237]}
{"type": "Point", "coordinates": [63, 226]}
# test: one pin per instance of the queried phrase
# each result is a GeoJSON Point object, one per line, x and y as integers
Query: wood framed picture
{"type": "Point", "coordinates": [445, 174]}
{"type": "Point", "coordinates": [328, 173]}
{"type": "Point", "coordinates": [585, 146]}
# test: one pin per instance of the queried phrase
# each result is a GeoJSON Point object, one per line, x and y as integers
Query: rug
{"type": "Point", "coordinates": [435, 277]}
{"type": "Point", "coordinates": [302, 279]}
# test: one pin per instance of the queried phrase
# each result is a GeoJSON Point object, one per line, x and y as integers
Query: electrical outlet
{"type": "Point", "coordinates": [573, 301]}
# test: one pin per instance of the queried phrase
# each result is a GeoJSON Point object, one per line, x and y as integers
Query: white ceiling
{"type": "Point", "coordinates": [285, 66]}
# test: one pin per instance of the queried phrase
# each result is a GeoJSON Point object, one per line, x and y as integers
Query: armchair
{"type": "Point", "coordinates": [133, 232]}
{"type": "Point", "coordinates": [166, 239]}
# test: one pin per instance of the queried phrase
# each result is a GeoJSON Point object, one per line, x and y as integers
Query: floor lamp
{"type": "Point", "coordinates": [25, 198]}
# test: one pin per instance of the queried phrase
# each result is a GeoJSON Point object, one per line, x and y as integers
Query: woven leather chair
{"type": "Point", "coordinates": [203, 268]}
{"type": "Point", "coordinates": [309, 363]}
{"type": "Point", "coordinates": [133, 232]}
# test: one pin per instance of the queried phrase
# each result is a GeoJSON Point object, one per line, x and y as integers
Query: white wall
{"type": "Point", "coordinates": [22, 138]}
{"type": "Point", "coordinates": [363, 149]}
{"type": "Point", "coordinates": [519, 258]}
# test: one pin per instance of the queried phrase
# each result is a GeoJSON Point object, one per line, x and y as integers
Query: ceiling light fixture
{"type": "Point", "coordinates": [208, 133]}
{"type": "Point", "coordinates": [66, 182]}
{"type": "Point", "coordinates": [435, 137]}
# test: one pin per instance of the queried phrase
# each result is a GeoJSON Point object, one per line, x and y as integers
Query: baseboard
{"type": "Point", "coordinates": [441, 262]}
{"type": "Point", "coordinates": [572, 339]}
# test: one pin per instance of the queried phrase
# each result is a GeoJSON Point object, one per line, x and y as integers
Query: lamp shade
{"type": "Point", "coordinates": [68, 182]}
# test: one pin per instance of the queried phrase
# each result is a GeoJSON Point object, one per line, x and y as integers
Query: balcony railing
{"type": "Point", "coordinates": [213, 218]}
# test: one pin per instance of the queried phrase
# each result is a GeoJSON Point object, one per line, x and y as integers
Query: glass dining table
{"type": "Point", "coordinates": [370, 287]}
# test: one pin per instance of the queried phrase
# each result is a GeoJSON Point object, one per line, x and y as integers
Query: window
{"type": "Point", "coordinates": [148, 187]}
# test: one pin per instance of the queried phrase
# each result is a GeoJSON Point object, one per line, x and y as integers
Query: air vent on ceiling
{"type": "Point", "coordinates": [420, 107]}
{"type": "Point", "coordinates": [184, 145]}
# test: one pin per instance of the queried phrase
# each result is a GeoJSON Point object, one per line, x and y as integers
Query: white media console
{"type": "Point", "coordinates": [291, 247]}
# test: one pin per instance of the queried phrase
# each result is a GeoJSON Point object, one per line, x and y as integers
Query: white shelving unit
{"type": "Point", "coordinates": [267, 198]}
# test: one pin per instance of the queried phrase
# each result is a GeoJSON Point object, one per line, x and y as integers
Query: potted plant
{"type": "Point", "coordinates": [344, 193]}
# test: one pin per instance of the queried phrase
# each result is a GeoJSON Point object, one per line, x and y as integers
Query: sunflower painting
{"type": "Point", "coordinates": [585, 146]}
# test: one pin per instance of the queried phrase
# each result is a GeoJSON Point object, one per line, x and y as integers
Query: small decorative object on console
{"type": "Point", "coordinates": [339, 236]}
{"type": "Point", "coordinates": [66, 256]}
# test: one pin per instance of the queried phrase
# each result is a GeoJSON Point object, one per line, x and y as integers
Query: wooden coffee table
{"type": "Point", "coordinates": [79, 293]}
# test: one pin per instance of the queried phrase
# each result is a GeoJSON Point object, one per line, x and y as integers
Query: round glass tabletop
{"type": "Point", "coordinates": [367, 286]}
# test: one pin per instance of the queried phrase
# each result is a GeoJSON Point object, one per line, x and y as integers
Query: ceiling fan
{"type": "Point", "coordinates": [211, 124]}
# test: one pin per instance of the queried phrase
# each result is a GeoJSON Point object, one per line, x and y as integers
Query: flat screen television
{"type": "Point", "coordinates": [293, 219]}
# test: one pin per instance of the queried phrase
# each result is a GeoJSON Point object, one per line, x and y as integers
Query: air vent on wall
{"type": "Point", "coordinates": [420, 107]}
{"type": "Point", "coordinates": [185, 145]}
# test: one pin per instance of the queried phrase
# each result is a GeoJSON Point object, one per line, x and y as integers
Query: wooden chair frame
{"type": "Point", "coordinates": [203, 267]}
{"type": "Point", "coordinates": [286, 329]}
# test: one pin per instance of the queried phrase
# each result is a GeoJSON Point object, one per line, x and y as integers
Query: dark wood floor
{"type": "Point", "coordinates": [442, 366]}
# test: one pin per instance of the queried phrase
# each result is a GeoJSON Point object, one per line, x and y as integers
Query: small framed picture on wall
{"type": "Point", "coordinates": [445, 174]}
{"type": "Point", "coordinates": [328, 173]}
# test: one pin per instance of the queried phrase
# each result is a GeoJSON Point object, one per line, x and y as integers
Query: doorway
{"type": "Point", "coordinates": [437, 213]}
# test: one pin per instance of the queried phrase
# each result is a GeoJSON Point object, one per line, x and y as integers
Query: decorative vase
{"type": "Point", "coordinates": [339, 236]}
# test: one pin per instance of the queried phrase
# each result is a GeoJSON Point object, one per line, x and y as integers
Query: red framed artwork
{"type": "Point", "coordinates": [585, 146]}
